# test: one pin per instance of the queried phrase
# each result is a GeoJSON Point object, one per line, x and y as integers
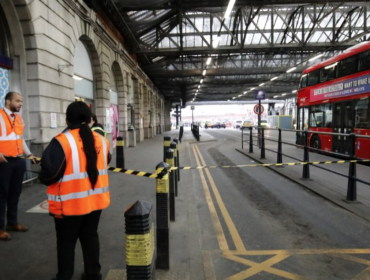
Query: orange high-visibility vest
{"type": "Point", "coordinates": [73, 195]}
{"type": "Point", "coordinates": [11, 134]}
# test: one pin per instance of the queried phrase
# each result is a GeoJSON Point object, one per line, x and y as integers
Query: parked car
{"type": "Point", "coordinates": [219, 125]}
{"type": "Point", "coordinates": [207, 124]}
{"type": "Point", "coordinates": [264, 123]}
{"type": "Point", "coordinates": [238, 124]}
{"type": "Point", "coordinates": [247, 123]}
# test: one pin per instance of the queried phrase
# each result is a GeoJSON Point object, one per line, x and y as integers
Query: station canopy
{"type": "Point", "coordinates": [196, 50]}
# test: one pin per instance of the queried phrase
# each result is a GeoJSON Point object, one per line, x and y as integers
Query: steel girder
{"type": "Point", "coordinates": [261, 40]}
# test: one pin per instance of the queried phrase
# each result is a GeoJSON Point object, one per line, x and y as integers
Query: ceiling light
{"type": "Point", "coordinates": [199, 86]}
{"type": "Point", "coordinates": [274, 78]}
{"type": "Point", "coordinates": [196, 90]}
{"type": "Point", "coordinates": [209, 60]}
{"type": "Point", "coordinates": [228, 100]}
{"type": "Point", "coordinates": [261, 84]}
{"type": "Point", "coordinates": [201, 80]}
{"type": "Point", "coordinates": [283, 94]}
{"type": "Point", "coordinates": [77, 78]}
{"type": "Point", "coordinates": [252, 88]}
{"type": "Point", "coordinates": [234, 97]}
{"type": "Point", "coordinates": [276, 96]}
{"type": "Point", "coordinates": [291, 69]}
{"type": "Point", "coordinates": [245, 92]}
{"type": "Point", "coordinates": [204, 72]}
{"type": "Point", "coordinates": [294, 91]}
{"type": "Point", "coordinates": [216, 42]}
{"type": "Point", "coordinates": [239, 95]}
{"type": "Point", "coordinates": [316, 57]}
{"type": "Point", "coordinates": [229, 9]}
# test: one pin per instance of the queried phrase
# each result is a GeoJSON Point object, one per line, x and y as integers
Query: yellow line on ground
{"type": "Point", "coordinates": [239, 245]}
{"type": "Point", "coordinates": [297, 252]}
{"type": "Point", "coordinates": [216, 222]}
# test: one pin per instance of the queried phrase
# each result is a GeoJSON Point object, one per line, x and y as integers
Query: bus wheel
{"type": "Point", "coordinates": [315, 142]}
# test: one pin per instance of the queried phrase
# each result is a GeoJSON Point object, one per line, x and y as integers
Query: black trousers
{"type": "Point", "coordinates": [11, 178]}
{"type": "Point", "coordinates": [84, 228]}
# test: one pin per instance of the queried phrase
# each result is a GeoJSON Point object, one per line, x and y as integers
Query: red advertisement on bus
{"type": "Point", "coordinates": [334, 96]}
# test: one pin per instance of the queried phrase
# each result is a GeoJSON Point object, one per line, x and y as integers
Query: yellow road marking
{"type": "Point", "coordinates": [216, 222]}
{"type": "Point", "coordinates": [364, 275]}
{"type": "Point", "coordinates": [264, 266]}
{"type": "Point", "coordinates": [239, 245]}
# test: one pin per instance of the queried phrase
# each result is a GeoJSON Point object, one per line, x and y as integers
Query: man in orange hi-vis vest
{"type": "Point", "coordinates": [13, 149]}
{"type": "Point", "coordinates": [74, 167]}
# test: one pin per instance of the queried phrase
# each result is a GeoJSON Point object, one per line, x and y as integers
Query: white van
{"type": "Point", "coordinates": [238, 124]}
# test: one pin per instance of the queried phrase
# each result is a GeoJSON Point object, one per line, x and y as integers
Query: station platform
{"type": "Point", "coordinates": [32, 255]}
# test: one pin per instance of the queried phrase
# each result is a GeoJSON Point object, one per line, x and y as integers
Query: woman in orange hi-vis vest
{"type": "Point", "coordinates": [74, 166]}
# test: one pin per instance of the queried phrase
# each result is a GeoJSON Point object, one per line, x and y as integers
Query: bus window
{"type": "Point", "coordinates": [328, 115]}
{"type": "Point", "coordinates": [364, 61]}
{"type": "Point", "coordinates": [317, 116]}
{"type": "Point", "coordinates": [313, 78]}
{"type": "Point", "coordinates": [303, 82]}
{"type": "Point", "coordinates": [347, 66]}
{"type": "Point", "coordinates": [327, 74]}
{"type": "Point", "coordinates": [362, 113]}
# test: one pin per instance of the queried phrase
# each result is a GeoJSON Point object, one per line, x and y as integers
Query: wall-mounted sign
{"type": "Point", "coordinates": [53, 120]}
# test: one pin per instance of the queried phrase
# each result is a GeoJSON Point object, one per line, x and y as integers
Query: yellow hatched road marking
{"type": "Point", "coordinates": [230, 224]}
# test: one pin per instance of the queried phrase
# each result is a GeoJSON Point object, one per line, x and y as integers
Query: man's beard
{"type": "Point", "coordinates": [14, 108]}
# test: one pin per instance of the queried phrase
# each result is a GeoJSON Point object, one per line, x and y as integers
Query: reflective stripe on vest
{"type": "Point", "coordinates": [11, 134]}
{"type": "Point", "coordinates": [99, 128]}
{"type": "Point", "coordinates": [76, 162]}
{"type": "Point", "coordinates": [77, 195]}
{"type": "Point", "coordinates": [73, 194]}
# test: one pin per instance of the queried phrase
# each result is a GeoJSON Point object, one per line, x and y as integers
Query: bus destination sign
{"type": "Point", "coordinates": [345, 88]}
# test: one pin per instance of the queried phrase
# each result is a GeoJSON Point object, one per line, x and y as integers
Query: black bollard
{"type": "Point", "coordinates": [173, 146]}
{"type": "Point", "coordinates": [263, 144]}
{"type": "Point", "coordinates": [163, 235]}
{"type": "Point", "coordinates": [352, 183]}
{"type": "Point", "coordinates": [279, 153]}
{"type": "Point", "coordinates": [306, 158]}
{"type": "Point", "coordinates": [166, 145]}
{"type": "Point", "coordinates": [140, 248]}
{"type": "Point", "coordinates": [250, 140]}
{"type": "Point", "coordinates": [172, 179]}
{"type": "Point", "coordinates": [177, 158]}
{"type": "Point", "coordinates": [120, 156]}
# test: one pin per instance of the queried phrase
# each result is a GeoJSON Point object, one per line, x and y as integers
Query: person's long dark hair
{"type": "Point", "coordinates": [79, 116]}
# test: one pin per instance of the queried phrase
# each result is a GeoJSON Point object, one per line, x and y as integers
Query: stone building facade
{"type": "Point", "coordinates": [56, 51]}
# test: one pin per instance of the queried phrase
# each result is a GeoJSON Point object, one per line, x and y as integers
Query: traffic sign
{"type": "Point", "coordinates": [256, 109]}
{"type": "Point", "coordinates": [259, 94]}
{"type": "Point", "coordinates": [192, 107]}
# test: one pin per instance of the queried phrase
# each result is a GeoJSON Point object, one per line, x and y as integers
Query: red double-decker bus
{"type": "Point", "coordinates": [334, 96]}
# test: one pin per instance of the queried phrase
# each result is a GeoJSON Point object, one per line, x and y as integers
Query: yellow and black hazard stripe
{"type": "Point", "coordinates": [133, 172]}
{"type": "Point", "coordinates": [158, 175]}
{"type": "Point", "coordinates": [268, 164]}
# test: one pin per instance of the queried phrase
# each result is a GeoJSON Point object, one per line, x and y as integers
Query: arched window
{"type": "Point", "coordinates": [83, 75]}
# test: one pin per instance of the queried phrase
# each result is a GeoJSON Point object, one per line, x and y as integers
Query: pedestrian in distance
{"type": "Point", "coordinates": [13, 150]}
{"type": "Point", "coordinates": [74, 167]}
{"type": "Point", "coordinates": [97, 127]}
